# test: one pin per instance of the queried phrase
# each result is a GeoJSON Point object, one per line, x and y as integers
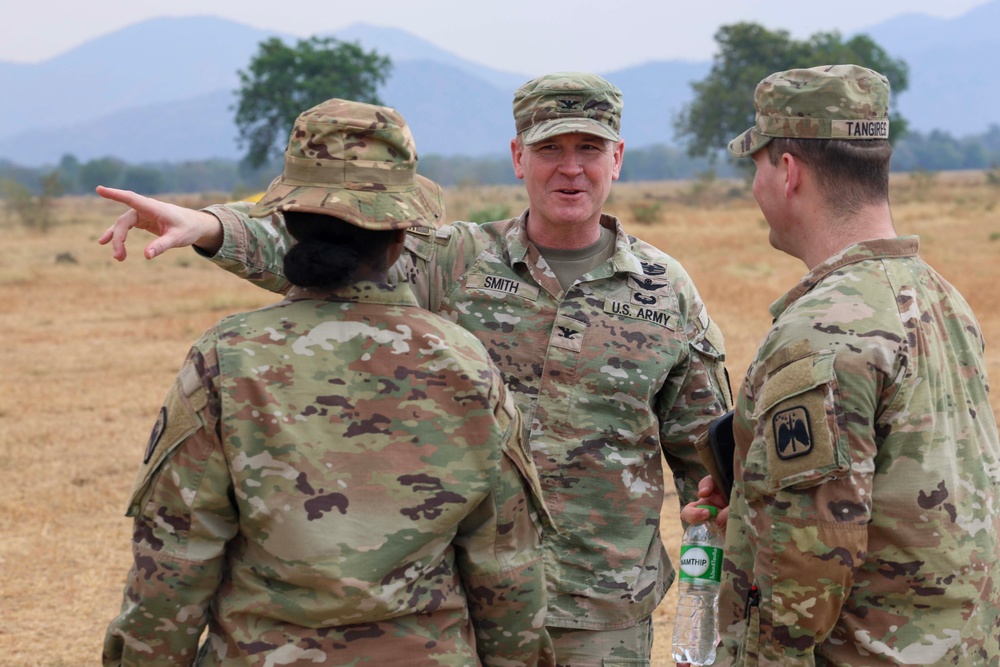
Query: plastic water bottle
{"type": "Point", "coordinates": [696, 625]}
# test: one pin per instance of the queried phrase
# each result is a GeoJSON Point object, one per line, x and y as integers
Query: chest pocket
{"type": "Point", "coordinates": [798, 437]}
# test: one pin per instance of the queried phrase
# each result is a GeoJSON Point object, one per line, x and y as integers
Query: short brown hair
{"type": "Point", "coordinates": [851, 174]}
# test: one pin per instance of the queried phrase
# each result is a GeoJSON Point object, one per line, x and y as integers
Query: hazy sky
{"type": "Point", "coordinates": [513, 35]}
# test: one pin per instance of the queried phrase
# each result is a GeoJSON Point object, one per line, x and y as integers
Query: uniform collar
{"type": "Point", "coordinates": [901, 246]}
{"type": "Point", "coordinates": [363, 291]}
{"type": "Point", "coordinates": [624, 259]}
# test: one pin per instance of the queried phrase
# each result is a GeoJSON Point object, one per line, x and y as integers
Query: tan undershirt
{"type": "Point", "coordinates": [568, 265]}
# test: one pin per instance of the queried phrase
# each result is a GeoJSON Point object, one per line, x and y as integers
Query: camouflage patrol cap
{"type": "Point", "coordinates": [828, 102]}
{"type": "Point", "coordinates": [566, 102]}
{"type": "Point", "coordinates": [356, 162]}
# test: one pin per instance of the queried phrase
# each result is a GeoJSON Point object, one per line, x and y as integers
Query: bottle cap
{"type": "Point", "coordinates": [713, 510]}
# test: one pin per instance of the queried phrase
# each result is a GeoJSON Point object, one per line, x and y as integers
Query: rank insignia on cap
{"type": "Point", "coordinates": [792, 433]}
{"type": "Point", "coordinates": [158, 428]}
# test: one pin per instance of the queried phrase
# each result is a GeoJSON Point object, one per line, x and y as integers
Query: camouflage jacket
{"type": "Point", "coordinates": [341, 479]}
{"type": "Point", "coordinates": [623, 364]}
{"type": "Point", "coordinates": [866, 508]}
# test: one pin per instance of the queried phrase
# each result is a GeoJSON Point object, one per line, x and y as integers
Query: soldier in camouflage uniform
{"type": "Point", "coordinates": [340, 478]}
{"type": "Point", "coordinates": [601, 338]}
{"type": "Point", "coordinates": [863, 527]}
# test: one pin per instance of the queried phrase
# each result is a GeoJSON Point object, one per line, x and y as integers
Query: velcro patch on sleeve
{"type": "Point", "coordinates": [799, 421]}
{"type": "Point", "coordinates": [176, 421]}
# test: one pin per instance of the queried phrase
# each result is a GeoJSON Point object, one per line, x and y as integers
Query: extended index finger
{"type": "Point", "coordinates": [127, 197]}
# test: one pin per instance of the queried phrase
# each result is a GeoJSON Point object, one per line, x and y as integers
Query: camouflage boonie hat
{"type": "Point", "coordinates": [567, 102]}
{"type": "Point", "coordinates": [828, 102]}
{"type": "Point", "coordinates": [356, 162]}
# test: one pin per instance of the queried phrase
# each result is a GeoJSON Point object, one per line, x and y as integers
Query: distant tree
{"type": "Point", "coordinates": [69, 172]}
{"type": "Point", "coordinates": [723, 103]}
{"type": "Point", "coordinates": [107, 171]}
{"type": "Point", "coordinates": [145, 180]}
{"type": "Point", "coordinates": [283, 81]}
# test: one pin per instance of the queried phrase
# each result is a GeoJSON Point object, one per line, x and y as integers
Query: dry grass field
{"type": "Point", "coordinates": [90, 347]}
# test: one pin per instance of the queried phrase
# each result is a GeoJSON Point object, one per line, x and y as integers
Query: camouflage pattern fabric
{"type": "Point", "coordinates": [866, 508]}
{"type": "Point", "coordinates": [338, 479]}
{"type": "Point", "coordinates": [629, 647]}
{"type": "Point", "coordinates": [845, 102]}
{"type": "Point", "coordinates": [566, 102]}
{"type": "Point", "coordinates": [623, 364]}
{"type": "Point", "coordinates": [356, 162]}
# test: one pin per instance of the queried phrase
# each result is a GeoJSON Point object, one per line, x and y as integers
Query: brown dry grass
{"type": "Point", "coordinates": [90, 348]}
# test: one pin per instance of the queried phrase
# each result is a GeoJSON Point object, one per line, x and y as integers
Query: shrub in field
{"type": "Point", "coordinates": [33, 211]}
{"type": "Point", "coordinates": [647, 213]}
{"type": "Point", "coordinates": [993, 176]}
{"type": "Point", "coordinates": [489, 213]}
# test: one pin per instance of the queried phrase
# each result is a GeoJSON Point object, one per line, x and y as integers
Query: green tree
{"type": "Point", "coordinates": [143, 179]}
{"type": "Point", "coordinates": [283, 81]}
{"type": "Point", "coordinates": [107, 171]}
{"type": "Point", "coordinates": [69, 172]}
{"type": "Point", "coordinates": [723, 103]}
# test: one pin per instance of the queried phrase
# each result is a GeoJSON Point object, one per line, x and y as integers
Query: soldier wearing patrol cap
{"type": "Point", "coordinates": [602, 339]}
{"type": "Point", "coordinates": [863, 525]}
{"type": "Point", "coordinates": [339, 478]}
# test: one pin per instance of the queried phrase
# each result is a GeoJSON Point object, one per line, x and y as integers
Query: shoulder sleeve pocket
{"type": "Point", "coordinates": [177, 420]}
{"type": "Point", "coordinates": [799, 423]}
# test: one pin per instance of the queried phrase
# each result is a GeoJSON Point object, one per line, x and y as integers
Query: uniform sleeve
{"type": "Point", "coordinates": [808, 479]}
{"type": "Point", "coordinates": [500, 559]}
{"type": "Point", "coordinates": [252, 248]}
{"type": "Point", "coordinates": [696, 392]}
{"type": "Point", "coordinates": [435, 261]}
{"type": "Point", "coordinates": [183, 517]}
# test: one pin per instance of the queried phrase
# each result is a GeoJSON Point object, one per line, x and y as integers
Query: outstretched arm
{"type": "Point", "coordinates": [175, 226]}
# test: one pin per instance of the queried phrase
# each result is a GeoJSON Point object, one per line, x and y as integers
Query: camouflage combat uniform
{"type": "Point", "coordinates": [865, 516]}
{"type": "Point", "coordinates": [867, 504]}
{"type": "Point", "coordinates": [624, 363]}
{"type": "Point", "coordinates": [334, 480]}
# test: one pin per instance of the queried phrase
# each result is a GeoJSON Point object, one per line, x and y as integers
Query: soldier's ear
{"type": "Point", "coordinates": [619, 156]}
{"type": "Point", "coordinates": [791, 168]}
{"type": "Point", "coordinates": [516, 151]}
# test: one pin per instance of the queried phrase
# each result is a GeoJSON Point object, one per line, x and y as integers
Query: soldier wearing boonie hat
{"type": "Point", "coordinates": [846, 102]}
{"type": "Point", "coordinates": [338, 447]}
{"type": "Point", "coordinates": [865, 437]}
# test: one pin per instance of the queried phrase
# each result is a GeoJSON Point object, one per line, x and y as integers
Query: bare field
{"type": "Point", "coordinates": [90, 347]}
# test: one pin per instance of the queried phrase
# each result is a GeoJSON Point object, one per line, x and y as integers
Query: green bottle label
{"type": "Point", "coordinates": [701, 564]}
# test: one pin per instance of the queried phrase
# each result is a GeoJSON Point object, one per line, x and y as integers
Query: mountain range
{"type": "Point", "coordinates": [164, 90]}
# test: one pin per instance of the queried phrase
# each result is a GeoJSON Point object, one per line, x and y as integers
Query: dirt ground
{"type": "Point", "coordinates": [90, 347]}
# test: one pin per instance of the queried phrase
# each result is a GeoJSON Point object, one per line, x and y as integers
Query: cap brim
{"type": "Point", "coordinates": [748, 143]}
{"type": "Point", "coordinates": [550, 128]}
{"type": "Point", "coordinates": [420, 205]}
